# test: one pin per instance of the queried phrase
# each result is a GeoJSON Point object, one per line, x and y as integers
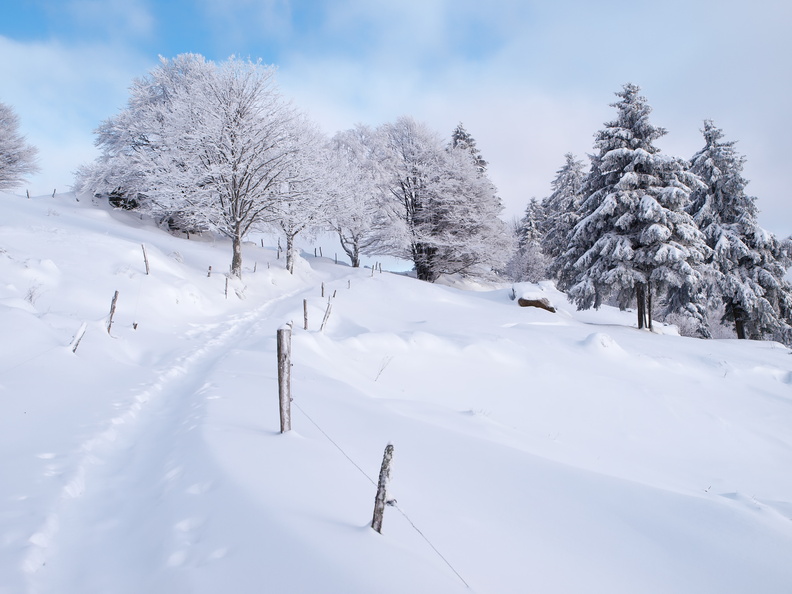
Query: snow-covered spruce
{"type": "Point", "coordinates": [635, 240]}
{"type": "Point", "coordinates": [748, 262]}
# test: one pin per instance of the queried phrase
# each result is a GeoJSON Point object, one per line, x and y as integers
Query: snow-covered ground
{"type": "Point", "coordinates": [534, 452]}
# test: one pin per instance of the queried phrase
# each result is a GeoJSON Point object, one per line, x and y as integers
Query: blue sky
{"type": "Point", "coordinates": [530, 80]}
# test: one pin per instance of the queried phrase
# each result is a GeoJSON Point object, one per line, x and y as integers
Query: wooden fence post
{"type": "Point", "coordinates": [305, 314]}
{"type": "Point", "coordinates": [284, 377]}
{"type": "Point", "coordinates": [326, 316]}
{"type": "Point", "coordinates": [78, 337]}
{"type": "Point", "coordinates": [112, 312]}
{"type": "Point", "coordinates": [381, 498]}
{"type": "Point", "coordinates": [145, 258]}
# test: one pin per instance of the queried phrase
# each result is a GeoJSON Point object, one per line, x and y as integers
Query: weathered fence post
{"type": "Point", "coordinates": [226, 287]}
{"type": "Point", "coordinates": [145, 258]}
{"type": "Point", "coordinates": [78, 337]}
{"type": "Point", "coordinates": [382, 489]}
{"type": "Point", "coordinates": [326, 316]}
{"type": "Point", "coordinates": [284, 377]}
{"type": "Point", "coordinates": [112, 312]}
{"type": "Point", "coordinates": [305, 314]}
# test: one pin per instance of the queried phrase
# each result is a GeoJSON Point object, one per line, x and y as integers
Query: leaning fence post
{"type": "Point", "coordinates": [112, 312]}
{"type": "Point", "coordinates": [305, 314]}
{"type": "Point", "coordinates": [284, 377]}
{"type": "Point", "coordinates": [145, 258]}
{"type": "Point", "coordinates": [326, 316]}
{"type": "Point", "coordinates": [381, 499]}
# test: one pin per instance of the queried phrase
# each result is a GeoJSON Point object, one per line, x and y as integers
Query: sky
{"type": "Point", "coordinates": [529, 80]}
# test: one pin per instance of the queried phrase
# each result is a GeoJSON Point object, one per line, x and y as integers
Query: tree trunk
{"type": "Point", "coordinates": [739, 321]}
{"type": "Point", "coordinates": [290, 253]}
{"type": "Point", "coordinates": [649, 306]}
{"type": "Point", "coordinates": [236, 259]}
{"type": "Point", "coordinates": [640, 297]}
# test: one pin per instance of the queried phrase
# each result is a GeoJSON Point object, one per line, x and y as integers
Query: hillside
{"type": "Point", "coordinates": [534, 452]}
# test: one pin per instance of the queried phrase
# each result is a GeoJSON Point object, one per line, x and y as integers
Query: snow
{"type": "Point", "coordinates": [555, 453]}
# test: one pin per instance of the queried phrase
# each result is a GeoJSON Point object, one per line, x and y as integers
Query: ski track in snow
{"type": "Point", "coordinates": [188, 371]}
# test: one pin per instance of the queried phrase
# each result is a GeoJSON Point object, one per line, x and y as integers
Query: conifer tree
{"type": "Point", "coordinates": [561, 208]}
{"type": "Point", "coordinates": [461, 139]}
{"type": "Point", "coordinates": [749, 263]}
{"type": "Point", "coordinates": [529, 262]}
{"type": "Point", "coordinates": [635, 240]}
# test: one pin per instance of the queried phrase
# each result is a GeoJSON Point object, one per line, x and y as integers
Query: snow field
{"type": "Point", "coordinates": [543, 452]}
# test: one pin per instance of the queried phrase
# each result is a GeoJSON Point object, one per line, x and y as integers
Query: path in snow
{"type": "Point", "coordinates": [110, 507]}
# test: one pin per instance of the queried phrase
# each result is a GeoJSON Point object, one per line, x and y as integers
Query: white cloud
{"type": "Point", "coordinates": [118, 18]}
{"type": "Point", "coordinates": [61, 94]}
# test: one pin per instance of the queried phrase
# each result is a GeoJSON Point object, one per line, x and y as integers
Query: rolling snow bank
{"type": "Point", "coordinates": [534, 452]}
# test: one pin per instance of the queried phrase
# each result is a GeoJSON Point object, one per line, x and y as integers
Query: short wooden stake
{"type": "Point", "coordinates": [145, 258]}
{"type": "Point", "coordinates": [381, 499]}
{"type": "Point", "coordinates": [210, 272]}
{"type": "Point", "coordinates": [112, 312]}
{"type": "Point", "coordinates": [314, 252]}
{"type": "Point", "coordinates": [322, 289]}
{"type": "Point", "coordinates": [320, 252]}
{"type": "Point", "coordinates": [326, 316]}
{"type": "Point", "coordinates": [53, 193]}
{"type": "Point", "coordinates": [305, 314]}
{"type": "Point", "coordinates": [284, 377]}
{"type": "Point", "coordinates": [336, 258]}
{"type": "Point", "coordinates": [226, 288]}
{"type": "Point", "coordinates": [255, 266]}
{"type": "Point", "coordinates": [28, 194]}
{"type": "Point", "coordinates": [334, 293]}
{"type": "Point", "coordinates": [262, 242]}
{"type": "Point", "coordinates": [349, 283]}
{"type": "Point", "coordinates": [78, 337]}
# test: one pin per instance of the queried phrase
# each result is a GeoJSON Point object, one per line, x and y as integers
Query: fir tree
{"type": "Point", "coordinates": [461, 139]}
{"type": "Point", "coordinates": [529, 262]}
{"type": "Point", "coordinates": [635, 240]}
{"type": "Point", "coordinates": [749, 263]}
{"type": "Point", "coordinates": [561, 208]}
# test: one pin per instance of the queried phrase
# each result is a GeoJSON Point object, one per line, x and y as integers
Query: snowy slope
{"type": "Point", "coordinates": [534, 452]}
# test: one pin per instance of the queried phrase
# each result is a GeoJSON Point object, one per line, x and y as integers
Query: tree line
{"type": "Point", "coordinates": [643, 228]}
{"type": "Point", "coordinates": [215, 147]}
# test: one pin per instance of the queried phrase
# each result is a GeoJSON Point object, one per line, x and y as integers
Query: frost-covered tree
{"type": "Point", "coordinates": [304, 197]}
{"type": "Point", "coordinates": [211, 146]}
{"type": "Point", "coordinates": [443, 209]}
{"type": "Point", "coordinates": [561, 207]}
{"type": "Point", "coordinates": [356, 216]}
{"type": "Point", "coordinates": [461, 138]}
{"type": "Point", "coordinates": [17, 157]}
{"type": "Point", "coordinates": [635, 240]}
{"type": "Point", "coordinates": [529, 263]}
{"type": "Point", "coordinates": [749, 262]}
